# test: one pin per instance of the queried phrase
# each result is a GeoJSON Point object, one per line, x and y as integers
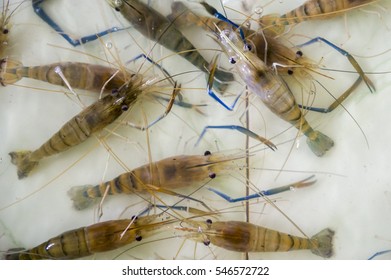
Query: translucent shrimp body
{"type": "Point", "coordinates": [272, 90]}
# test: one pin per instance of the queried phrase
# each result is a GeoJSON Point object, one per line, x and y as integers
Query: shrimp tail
{"type": "Point", "coordinates": [319, 143]}
{"type": "Point", "coordinates": [23, 162]}
{"type": "Point", "coordinates": [9, 71]}
{"type": "Point", "coordinates": [323, 243]}
{"type": "Point", "coordinates": [80, 198]}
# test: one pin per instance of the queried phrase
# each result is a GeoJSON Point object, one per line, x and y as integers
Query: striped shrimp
{"type": "Point", "coordinates": [96, 238]}
{"type": "Point", "coordinates": [156, 27]}
{"type": "Point", "coordinates": [79, 75]}
{"type": "Point", "coordinates": [311, 9]}
{"type": "Point", "coordinates": [164, 175]}
{"type": "Point", "coordinates": [246, 237]}
{"type": "Point", "coordinates": [78, 129]}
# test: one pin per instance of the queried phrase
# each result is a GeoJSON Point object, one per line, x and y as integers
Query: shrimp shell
{"type": "Point", "coordinates": [80, 75]}
{"type": "Point", "coordinates": [246, 237]}
{"type": "Point", "coordinates": [169, 173]}
{"type": "Point", "coordinates": [92, 119]}
{"type": "Point", "coordinates": [96, 238]}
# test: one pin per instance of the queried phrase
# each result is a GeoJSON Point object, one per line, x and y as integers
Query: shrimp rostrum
{"type": "Point", "coordinates": [77, 75]}
{"type": "Point", "coordinates": [246, 237]}
{"type": "Point", "coordinates": [96, 238]}
{"type": "Point", "coordinates": [161, 176]}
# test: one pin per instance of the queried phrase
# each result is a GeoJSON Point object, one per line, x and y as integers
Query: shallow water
{"type": "Point", "coordinates": [352, 193]}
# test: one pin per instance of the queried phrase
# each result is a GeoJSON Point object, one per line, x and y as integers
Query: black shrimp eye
{"type": "Point", "coordinates": [232, 60]}
{"type": "Point", "coordinates": [207, 153]}
{"type": "Point", "coordinates": [124, 107]}
{"type": "Point", "coordinates": [290, 71]}
{"type": "Point", "coordinates": [117, 9]}
{"type": "Point", "coordinates": [212, 175]}
{"type": "Point", "coordinates": [139, 238]}
{"type": "Point", "coordinates": [5, 31]}
{"type": "Point", "coordinates": [208, 221]}
{"type": "Point", "coordinates": [134, 218]}
{"type": "Point", "coordinates": [299, 53]}
{"type": "Point", "coordinates": [248, 47]}
{"type": "Point", "coordinates": [114, 92]}
{"type": "Point", "coordinates": [206, 242]}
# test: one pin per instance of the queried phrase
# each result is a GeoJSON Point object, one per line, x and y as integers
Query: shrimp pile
{"type": "Point", "coordinates": [103, 133]}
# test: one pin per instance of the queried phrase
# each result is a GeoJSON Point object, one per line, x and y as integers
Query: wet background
{"type": "Point", "coordinates": [352, 193]}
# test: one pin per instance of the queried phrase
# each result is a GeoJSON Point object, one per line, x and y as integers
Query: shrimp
{"type": "Point", "coordinates": [311, 9]}
{"type": "Point", "coordinates": [169, 173]}
{"type": "Point", "coordinates": [92, 119]}
{"type": "Point", "coordinates": [269, 49]}
{"type": "Point", "coordinates": [96, 238]}
{"type": "Point", "coordinates": [79, 75]}
{"type": "Point", "coordinates": [246, 237]}
{"type": "Point", "coordinates": [156, 27]}
{"type": "Point", "coordinates": [274, 93]}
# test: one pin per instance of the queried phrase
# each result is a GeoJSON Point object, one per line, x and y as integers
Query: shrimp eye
{"type": "Point", "coordinates": [134, 218]}
{"type": "Point", "coordinates": [114, 92]}
{"type": "Point", "coordinates": [207, 153]}
{"type": "Point", "coordinates": [208, 221]}
{"type": "Point", "coordinates": [124, 107]}
{"type": "Point", "coordinates": [247, 47]}
{"type": "Point", "coordinates": [5, 31]}
{"type": "Point", "coordinates": [299, 53]}
{"type": "Point", "coordinates": [232, 60]}
{"type": "Point", "coordinates": [139, 238]}
{"type": "Point", "coordinates": [117, 9]}
{"type": "Point", "coordinates": [290, 71]}
{"type": "Point", "coordinates": [212, 175]}
{"type": "Point", "coordinates": [207, 242]}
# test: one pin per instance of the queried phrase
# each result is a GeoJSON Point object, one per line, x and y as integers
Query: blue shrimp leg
{"type": "Point", "coordinates": [303, 183]}
{"type": "Point", "coordinates": [379, 254]}
{"type": "Point", "coordinates": [240, 129]}
{"type": "Point", "coordinates": [210, 85]}
{"type": "Point", "coordinates": [45, 17]}
{"type": "Point", "coordinates": [351, 59]}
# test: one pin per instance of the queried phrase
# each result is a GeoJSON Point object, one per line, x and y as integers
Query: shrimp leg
{"type": "Point", "coordinates": [349, 57]}
{"type": "Point", "coordinates": [74, 42]}
{"type": "Point", "coordinates": [240, 129]}
{"type": "Point", "coordinates": [290, 187]}
{"type": "Point", "coordinates": [379, 254]}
